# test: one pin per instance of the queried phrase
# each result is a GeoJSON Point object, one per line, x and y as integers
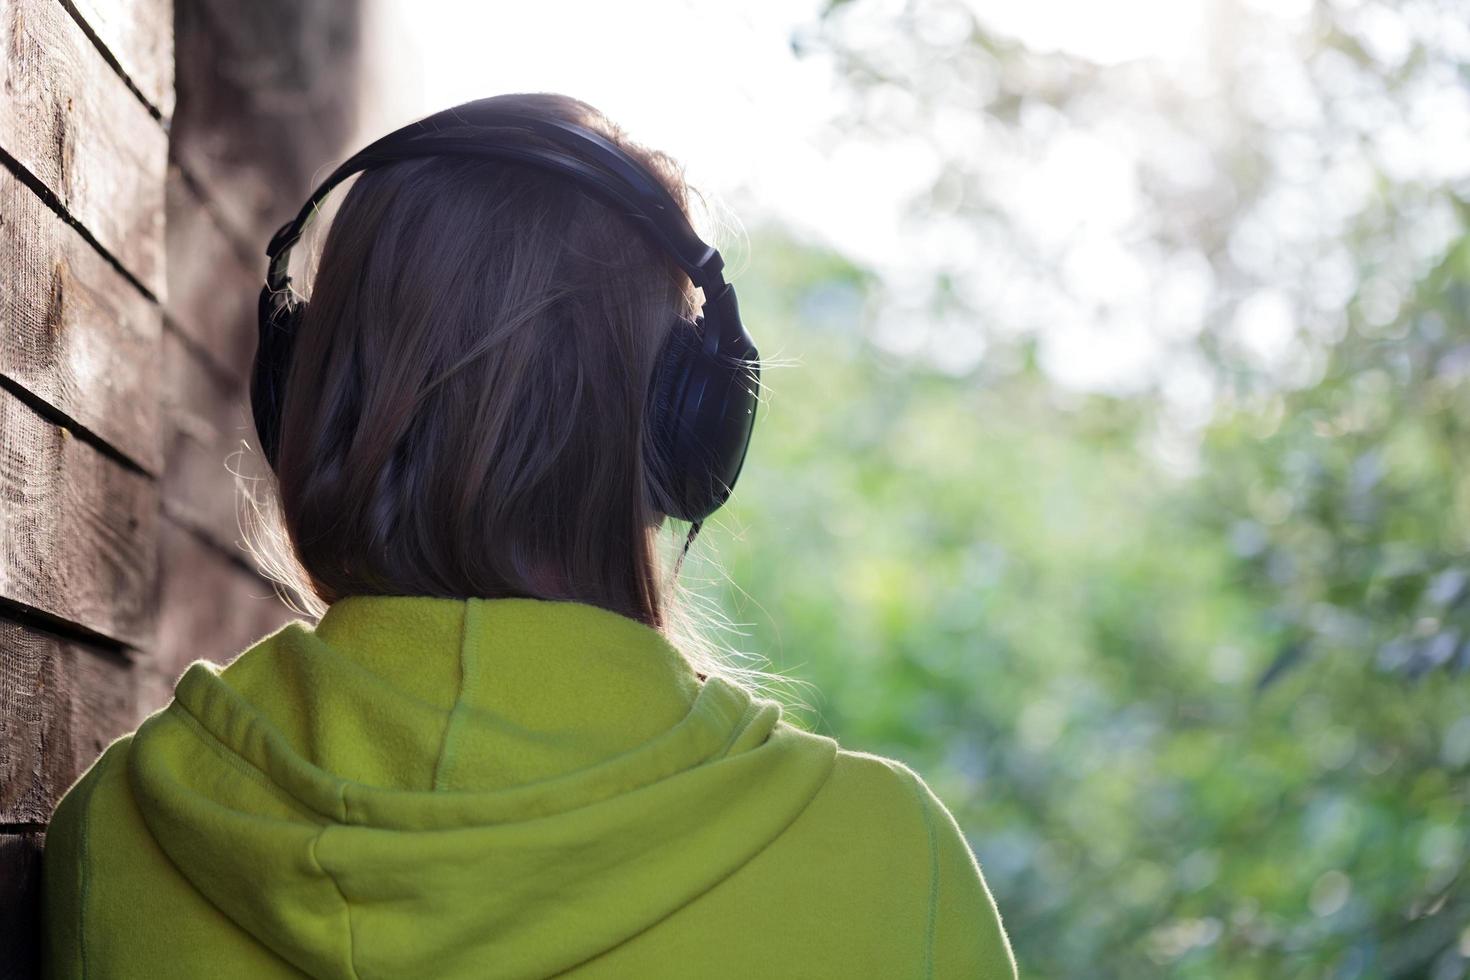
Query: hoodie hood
{"type": "Point", "coordinates": [463, 787]}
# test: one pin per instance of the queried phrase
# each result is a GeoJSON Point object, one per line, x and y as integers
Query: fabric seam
{"type": "Point", "coordinates": [446, 746]}
{"type": "Point", "coordinates": [933, 878]}
{"type": "Point", "coordinates": [252, 771]}
{"type": "Point", "coordinates": [243, 766]}
{"type": "Point", "coordinates": [346, 905]}
{"type": "Point", "coordinates": [715, 884]}
{"type": "Point", "coordinates": [747, 717]}
{"type": "Point", "coordinates": [86, 861]}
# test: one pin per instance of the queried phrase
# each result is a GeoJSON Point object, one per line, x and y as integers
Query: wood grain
{"type": "Point", "coordinates": [69, 119]}
{"type": "Point", "coordinates": [212, 289]}
{"type": "Point", "coordinates": [208, 437]}
{"type": "Point", "coordinates": [139, 34]}
{"type": "Point", "coordinates": [267, 95]}
{"type": "Point", "coordinates": [61, 703]}
{"type": "Point", "coordinates": [213, 608]}
{"type": "Point", "coordinates": [77, 529]}
{"type": "Point", "coordinates": [77, 335]}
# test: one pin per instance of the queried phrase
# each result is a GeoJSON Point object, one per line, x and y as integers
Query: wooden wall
{"type": "Point", "coordinates": [148, 148]}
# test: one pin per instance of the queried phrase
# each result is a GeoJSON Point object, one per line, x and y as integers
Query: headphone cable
{"type": "Point", "coordinates": [693, 530]}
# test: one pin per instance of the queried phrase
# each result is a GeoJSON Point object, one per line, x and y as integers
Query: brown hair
{"type": "Point", "coordinates": [465, 410]}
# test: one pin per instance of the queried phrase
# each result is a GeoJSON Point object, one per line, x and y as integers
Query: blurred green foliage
{"type": "Point", "coordinates": [1199, 721]}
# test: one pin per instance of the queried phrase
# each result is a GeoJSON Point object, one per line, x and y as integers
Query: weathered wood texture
{"type": "Point", "coordinates": [212, 286]}
{"type": "Point", "coordinates": [256, 120]}
{"type": "Point", "coordinates": [212, 608]}
{"type": "Point", "coordinates": [65, 701]}
{"type": "Point", "coordinates": [77, 528]}
{"type": "Point", "coordinates": [72, 122]}
{"type": "Point", "coordinates": [147, 152]}
{"type": "Point", "coordinates": [208, 440]}
{"type": "Point", "coordinates": [139, 36]}
{"type": "Point", "coordinates": [83, 155]}
{"type": "Point", "coordinates": [78, 336]}
{"type": "Point", "coordinates": [266, 99]}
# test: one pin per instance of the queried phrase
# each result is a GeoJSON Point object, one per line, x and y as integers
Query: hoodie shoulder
{"type": "Point", "coordinates": [864, 882]}
{"type": "Point", "coordinates": [963, 932]}
{"type": "Point", "coordinates": [113, 904]}
{"type": "Point", "coordinates": [66, 867]}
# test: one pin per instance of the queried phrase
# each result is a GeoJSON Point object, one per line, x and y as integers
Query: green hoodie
{"type": "Point", "coordinates": [430, 787]}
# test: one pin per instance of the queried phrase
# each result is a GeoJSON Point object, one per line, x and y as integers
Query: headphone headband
{"type": "Point", "coordinates": [704, 388]}
{"type": "Point", "coordinates": [628, 185]}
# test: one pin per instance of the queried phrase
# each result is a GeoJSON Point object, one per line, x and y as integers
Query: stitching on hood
{"type": "Point", "coordinates": [747, 717]}
{"type": "Point", "coordinates": [84, 874]}
{"type": "Point", "coordinates": [243, 765]}
{"type": "Point", "coordinates": [346, 905]}
{"type": "Point", "coordinates": [446, 747]}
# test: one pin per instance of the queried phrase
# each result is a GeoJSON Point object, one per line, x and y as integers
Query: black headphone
{"type": "Point", "coordinates": [703, 390]}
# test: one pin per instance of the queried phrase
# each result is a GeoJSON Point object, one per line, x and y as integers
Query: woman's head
{"type": "Point", "coordinates": [465, 411]}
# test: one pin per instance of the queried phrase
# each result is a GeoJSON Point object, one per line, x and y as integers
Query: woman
{"type": "Point", "coordinates": [499, 752]}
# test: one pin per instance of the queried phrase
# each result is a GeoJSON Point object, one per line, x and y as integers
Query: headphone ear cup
{"type": "Point", "coordinates": [279, 318]}
{"type": "Point", "coordinates": [702, 413]}
{"type": "Point", "coordinates": [665, 393]}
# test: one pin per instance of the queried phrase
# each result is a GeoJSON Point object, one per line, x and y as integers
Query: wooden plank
{"type": "Point", "coordinates": [71, 121]}
{"type": "Point", "coordinates": [212, 290]}
{"type": "Point", "coordinates": [77, 334]}
{"type": "Point", "coordinates": [207, 427]}
{"type": "Point", "coordinates": [61, 703]}
{"type": "Point", "coordinates": [77, 528]}
{"type": "Point", "coordinates": [267, 94]}
{"type": "Point", "coordinates": [212, 609]}
{"type": "Point", "coordinates": [139, 35]}
{"type": "Point", "coordinates": [218, 131]}
{"type": "Point", "coordinates": [20, 904]}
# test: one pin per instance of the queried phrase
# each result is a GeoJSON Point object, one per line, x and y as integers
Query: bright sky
{"type": "Point", "coordinates": [713, 84]}
{"type": "Point", "coordinates": [717, 85]}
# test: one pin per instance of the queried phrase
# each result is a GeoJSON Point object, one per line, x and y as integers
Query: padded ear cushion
{"type": "Point", "coordinates": [702, 412]}
{"type": "Point", "coordinates": [278, 322]}
{"type": "Point", "coordinates": [717, 414]}
{"type": "Point", "coordinates": [666, 388]}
